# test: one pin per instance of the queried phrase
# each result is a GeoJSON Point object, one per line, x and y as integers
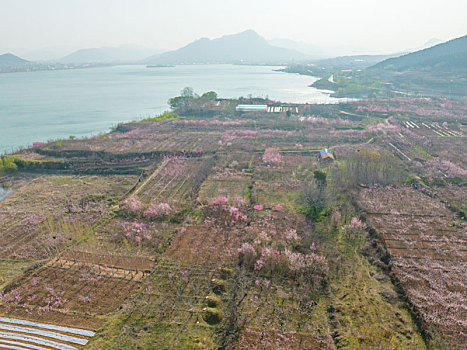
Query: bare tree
{"type": "Point", "coordinates": [316, 199]}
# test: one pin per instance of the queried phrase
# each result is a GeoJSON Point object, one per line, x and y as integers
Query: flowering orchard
{"type": "Point", "coordinates": [46, 214]}
{"type": "Point", "coordinates": [428, 243]}
{"type": "Point", "coordinates": [67, 296]}
{"type": "Point", "coordinates": [230, 178]}
{"type": "Point", "coordinates": [169, 190]}
{"type": "Point", "coordinates": [208, 228]}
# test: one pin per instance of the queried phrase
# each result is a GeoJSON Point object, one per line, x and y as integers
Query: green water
{"type": "Point", "coordinates": [38, 106]}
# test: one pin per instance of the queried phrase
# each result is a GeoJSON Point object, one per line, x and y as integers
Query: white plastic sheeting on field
{"type": "Point", "coordinates": [11, 343]}
{"type": "Point", "coordinates": [36, 340]}
{"type": "Point", "coordinates": [18, 334]}
{"type": "Point", "coordinates": [77, 331]}
{"type": "Point", "coordinates": [48, 334]}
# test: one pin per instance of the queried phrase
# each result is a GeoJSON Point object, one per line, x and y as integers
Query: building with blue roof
{"type": "Point", "coordinates": [326, 154]}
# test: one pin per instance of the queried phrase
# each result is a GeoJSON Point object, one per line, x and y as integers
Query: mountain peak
{"type": "Point", "coordinates": [249, 36]}
{"type": "Point", "coordinates": [247, 46]}
{"type": "Point", "coordinates": [9, 55]}
{"type": "Point", "coordinates": [8, 59]}
{"type": "Point", "coordinates": [249, 33]}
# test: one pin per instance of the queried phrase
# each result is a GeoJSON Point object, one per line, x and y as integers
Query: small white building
{"type": "Point", "coordinates": [250, 108]}
{"type": "Point", "coordinates": [281, 109]}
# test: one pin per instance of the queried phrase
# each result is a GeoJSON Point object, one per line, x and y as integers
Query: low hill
{"type": "Point", "coordinates": [440, 70]}
{"type": "Point", "coordinates": [245, 47]}
{"type": "Point", "coordinates": [10, 60]}
{"type": "Point", "coordinates": [325, 68]}
{"type": "Point", "coordinates": [450, 56]}
{"type": "Point", "coordinates": [120, 54]}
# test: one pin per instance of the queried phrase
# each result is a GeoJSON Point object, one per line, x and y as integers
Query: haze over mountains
{"type": "Point", "coordinates": [248, 47]}
{"type": "Point", "coordinates": [320, 52]}
{"type": "Point", "coordinates": [440, 70]}
{"type": "Point", "coordinates": [134, 53]}
{"type": "Point", "coordinates": [450, 56]}
{"type": "Point", "coordinates": [120, 54]}
{"type": "Point", "coordinates": [315, 51]}
{"type": "Point", "coordinates": [245, 47]}
{"type": "Point", "coordinates": [353, 61]}
{"type": "Point", "coordinates": [44, 54]}
{"type": "Point", "coordinates": [430, 43]}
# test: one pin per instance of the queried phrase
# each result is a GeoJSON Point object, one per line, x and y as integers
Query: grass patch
{"type": "Point", "coordinates": [164, 116]}
{"type": "Point", "coordinates": [9, 270]}
{"type": "Point", "coordinates": [422, 153]}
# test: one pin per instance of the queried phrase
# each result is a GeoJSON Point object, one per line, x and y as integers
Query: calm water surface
{"type": "Point", "coordinates": [39, 106]}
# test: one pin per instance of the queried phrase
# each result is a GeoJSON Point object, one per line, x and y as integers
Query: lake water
{"type": "Point", "coordinates": [39, 106]}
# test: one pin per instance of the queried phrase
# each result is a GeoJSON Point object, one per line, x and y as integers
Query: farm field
{"type": "Point", "coordinates": [205, 228]}
{"type": "Point", "coordinates": [454, 195]}
{"type": "Point", "coordinates": [231, 178]}
{"type": "Point", "coordinates": [429, 246]}
{"type": "Point", "coordinates": [70, 293]}
{"type": "Point", "coordinates": [46, 212]}
{"type": "Point", "coordinates": [174, 184]}
{"type": "Point", "coordinates": [11, 270]}
{"type": "Point", "coordinates": [16, 333]}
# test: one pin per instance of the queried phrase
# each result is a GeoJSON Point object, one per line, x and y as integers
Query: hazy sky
{"type": "Point", "coordinates": [374, 25]}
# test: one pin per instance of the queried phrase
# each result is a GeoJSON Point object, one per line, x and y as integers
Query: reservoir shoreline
{"type": "Point", "coordinates": [49, 105]}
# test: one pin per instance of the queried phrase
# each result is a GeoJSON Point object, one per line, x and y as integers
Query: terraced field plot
{"type": "Point", "coordinates": [54, 206]}
{"type": "Point", "coordinates": [440, 149]}
{"type": "Point", "coordinates": [206, 244]}
{"type": "Point", "coordinates": [429, 246]}
{"type": "Point", "coordinates": [283, 184]}
{"type": "Point", "coordinates": [435, 128]}
{"type": "Point", "coordinates": [107, 265]}
{"type": "Point", "coordinates": [143, 237]}
{"type": "Point", "coordinates": [275, 314]}
{"type": "Point", "coordinates": [142, 138]}
{"type": "Point", "coordinates": [10, 270]}
{"type": "Point", "coordinates": [177, 306]}
{"type": "Point", "coordinates": [235, 160]}
{"type": "Point", "coordinates": [176, 183]}
{"type": "Point", "coordinates": [74, 293]}
{"type": "Point", "coordinates": [272, 194]}
{"type": "Point", "coordinates": [234, 186]}
{"type": "Point", "coordinates": [456, 195]}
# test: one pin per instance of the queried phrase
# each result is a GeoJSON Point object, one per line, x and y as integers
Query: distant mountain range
{"type": "Point", "coordinates": [44, 54]}
{"type": "Point", "coordinates": [244, 47]}
{"type": "Point", "coordinates": [10, 60]}
{"type": "Point", "coordinates": [315, 51]}
{"type": "Point", "coordinates": [353, 62]}
{"type": "Point", "coordinates": [120, 54]}
{"type": "Point", "coordinates": [248, 47]}
{"type": "Point", "coordinates": [450, 56]}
